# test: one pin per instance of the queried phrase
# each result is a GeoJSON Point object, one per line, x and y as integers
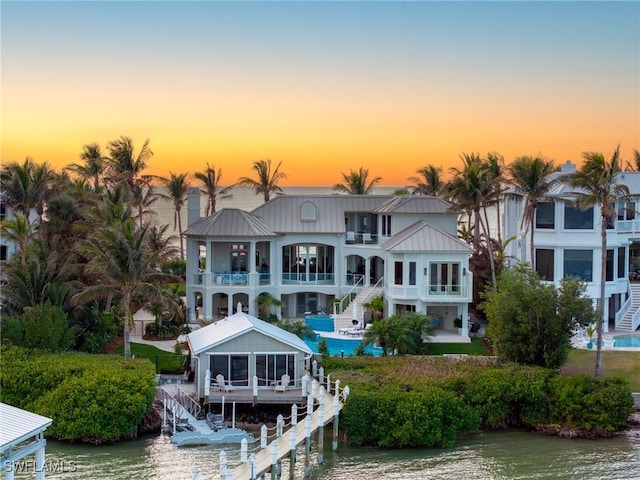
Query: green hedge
{"type": "Point", "coordinates": [431, 418]}
{"type": "Point", "coordinates": [589, 404]}
{"type": "Point", "coordinates": [421, 401]}
{"type": "Point", "coordinates": [92, 398]}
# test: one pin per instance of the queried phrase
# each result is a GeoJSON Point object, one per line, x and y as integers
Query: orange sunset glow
{"type": "Point", "coordinates": [321, 87]}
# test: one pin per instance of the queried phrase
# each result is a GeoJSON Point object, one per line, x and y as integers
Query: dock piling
{"type": "Point", "coordinates": [292, 450]}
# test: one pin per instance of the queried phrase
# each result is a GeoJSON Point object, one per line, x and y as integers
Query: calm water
{"type": "Point", "coordinates": [492, 456]}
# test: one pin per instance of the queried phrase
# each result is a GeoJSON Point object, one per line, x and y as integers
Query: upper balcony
{"type": "Point", "coordinates": [361, 238]}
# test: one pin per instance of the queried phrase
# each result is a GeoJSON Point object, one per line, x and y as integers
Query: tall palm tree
{"type": "Point", "coordinates": [93, 166]}
{"type": "Point", "coordinates": [428, 181]}
{"type": "Point", "coordinates": [470, 191]}
{"type": "Point", "coordinates": [211, 179]}
{"type": "Point", "coordinates": [531, 177]}
{"type": "Point", "coordinates": [177, 187]}
{"type": "Point", "coordinates": [123, 163]}
{"type": "Point", "coordinates": [494, 165]}
{"type": "Point", "coordinates": [357, 182]}
{"type": "Point", "coordinates": [267, 182]}
{"type": "Point", "coordinates": [597, 185]}
{"type": "Point", "coordinates": [120, 257]}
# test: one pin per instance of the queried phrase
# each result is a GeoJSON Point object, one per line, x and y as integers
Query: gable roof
{"type": "Point", "coordinates": [229, 222]}
{"type": "Point", "coordinates": [17, 425]}
{"type": "Point", "coordinates": [421, 236]}
{"type": "Point", "coordinates": [238, 324]}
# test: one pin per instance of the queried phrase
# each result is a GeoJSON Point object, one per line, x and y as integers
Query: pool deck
{"type": "Point", "coordinates": [441, 336]}
{"type": "Point", "coordinates": [581, 341]}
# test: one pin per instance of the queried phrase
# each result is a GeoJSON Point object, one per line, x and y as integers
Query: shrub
{"type": "Point", "coordinates": [509, 396]}
{"type": "Point", "coordinates": [430, 418]}
{"type": "Point", "coordinates": [89, 397]}
{"type": "Point", "coordinates": [44, 327]}
{"type": "Point", "coordinates": [590, 404]}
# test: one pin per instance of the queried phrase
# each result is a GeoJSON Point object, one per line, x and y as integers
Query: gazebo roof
{"type": "Point", "coordinates": [238, 324]}
{"type": "Point", "coordinates": [17, 425]}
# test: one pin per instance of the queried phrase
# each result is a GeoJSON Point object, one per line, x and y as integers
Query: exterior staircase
{"type": "Point", "coordinates": [345, 319]}
{"type": "Point", "coordinates": [626, 322]}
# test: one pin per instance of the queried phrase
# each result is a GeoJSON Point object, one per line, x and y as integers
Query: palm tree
{"type": "Point", "coordinates": [93, 166]}
{"type": "Point", "coordinates": [18, 231]}
{"type": "Point", "coordinates": [429, 181]}
{"type": "Point", "coordinates": [357, 182]}
{"type": "Point", "coordinates": [531, 178]}
{"type": "Point", "coordinates": [635, 166]}
{"type": "Point", "coordinates": [494, 165]}
{"type": "Point", "coordinates": [120, 257]}
{"type": "Point", "coordinates": [265, 303]}
{"type": "Point", "coordinates": [267, 182]}
{"type": "Point", "coordinates": [177, 188]}
{"type": "Point", "coordinates": [470, 191]}
{"type": "Point", "coordinates": [123, 163]}
{"type": "Point", "coordinates": [597, 184]}
{"type": "Point", "coordinates": [27, 186]}
{"type": "Point", "coordinates": [211, 180]}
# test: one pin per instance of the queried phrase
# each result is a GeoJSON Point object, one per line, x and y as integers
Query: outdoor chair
{"type": "Point", "coordinates": [224, 386]}
{"type": "Point", "coordinates": [283, 384]}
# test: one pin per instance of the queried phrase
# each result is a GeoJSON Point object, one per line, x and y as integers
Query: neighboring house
{"type": "Point", "coordinates": [241, 347]}
{"type": "Point", "coordinates": [308, 251]}
{"type": "Point", "coordinates": [8, 247]}
{"type": "Point", "coordinates": [567, 242]}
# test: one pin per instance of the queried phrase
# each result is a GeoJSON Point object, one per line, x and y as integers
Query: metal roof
{"type": "Point", "coordinates": [229, 222]}
{"type": "Point", "coordinates": [414, 204]}
{"type": "Point", "coordinates": [421, 236]}
{"type": "Point", "coordinates": [17, 425]}
{"type": "Point", "coordinates": [236, 325]}
{"type": "Point", "coordinates": [283, 213]}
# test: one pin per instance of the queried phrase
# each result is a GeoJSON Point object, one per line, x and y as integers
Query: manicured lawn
{"type": "Point", "coordinates": [165, 362]}
{"type": "Point", "coordinates": [473, 348]}
{"type": "Point", "coordinates": [620, 364]}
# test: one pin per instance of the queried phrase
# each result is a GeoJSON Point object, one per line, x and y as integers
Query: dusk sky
{"type": "Point", "coordinates": [324, 87]}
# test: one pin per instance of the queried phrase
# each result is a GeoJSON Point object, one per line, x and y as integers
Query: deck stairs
{"type": "Point", "coordinates": [345, 319]}
{"type": "Point", "coordinates": [626, 323]}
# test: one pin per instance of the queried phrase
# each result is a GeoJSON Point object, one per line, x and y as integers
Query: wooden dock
{"type": "Point", "coordinates": [281, 446]}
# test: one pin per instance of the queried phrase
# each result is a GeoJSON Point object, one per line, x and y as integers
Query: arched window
{"type": "Point", "coordinates": [308, 212]}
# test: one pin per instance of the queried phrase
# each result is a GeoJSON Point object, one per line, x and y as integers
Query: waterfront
{"type": "Point", "coordinates": [508, 455]}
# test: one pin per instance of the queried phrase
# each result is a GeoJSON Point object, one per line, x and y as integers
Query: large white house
{"type": "Point", "coordinates": [567, 242]}
{"type": "Point", "coordinates": [309, 251]}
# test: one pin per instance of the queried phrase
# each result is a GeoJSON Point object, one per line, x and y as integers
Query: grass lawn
{"type": "Point", "coordinates": [165, 362]}
{"type": "Point", "coordinates": [620, 364]}
{"type": "Point", "coordinates": [473, 348]}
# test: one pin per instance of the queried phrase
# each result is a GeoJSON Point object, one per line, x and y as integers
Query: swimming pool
{"type": "Point", "coordinates": [320, 323]}
{"type": "Point", "coordinates": [346, 345]}
{"type": "Point", "coordinates": [627, 341]}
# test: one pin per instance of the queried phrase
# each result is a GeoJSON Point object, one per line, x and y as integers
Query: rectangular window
{"type": "Point", "coordinates": [444, 278]}
{"type": "Point", "coordinates": [544, 263]}
{"type": "Point", "coordinates": [3, 252]}
{"type": "Point", "coordinates": [576, 219]}
{"type": "Point", "coordinates": [621, 262]}
{"type": "Point", "coordinates": [234, 368]}
{"type": "Point", "coordinates": [546, 215]}
{"type": "Point", "coordinates": [271, 367]}
{"type": "Point", "coordinates": [579, 263]}
{"type": "Point", "coordinates": [626, 210]}
{"type": "Point", "coordinates": [386, 225]}
{"type": "Point", "coordinates": [398, 273]}
{"type": "Point", "coordinates": [412, 273]}
{"type": "Point", "coordinates": [609, 266]}
{"type": "Point", "coordinates": [239, 257]}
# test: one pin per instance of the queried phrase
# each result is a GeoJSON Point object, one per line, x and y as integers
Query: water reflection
{"type": "Point", "coordinates": [493, 456]}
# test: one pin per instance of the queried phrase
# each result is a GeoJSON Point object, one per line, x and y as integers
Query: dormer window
{"type": "Point", "coordinates": [308, 212]}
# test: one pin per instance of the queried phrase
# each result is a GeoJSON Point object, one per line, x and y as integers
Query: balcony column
{"type": "Point", "coordinates": [209, 257]}
{"type": "Point", "coordinates": [367, 271]}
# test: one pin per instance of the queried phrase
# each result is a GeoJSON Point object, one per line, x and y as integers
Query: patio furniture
{"type": "Point", "coordinates": [351, 237]}
{"type": "Point", "coordinates": [282, 385]}
{"type": "Point", "coordinates": [224, 386]}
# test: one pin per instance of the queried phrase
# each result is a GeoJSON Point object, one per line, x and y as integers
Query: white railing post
{"type": "Point", "coordinates": [321, 375]}
{"type": "Point", "coordinates": [243, 450]}
{"type": "Point", "coordinates": [279, 425]}
{"type": "Point", "coordinates": [223, 463]}
{"type": "Point", "coordinates": [329, 383]}
{"type": "Point", "coordinates": [294, 414]}
{"type": "Point", "coordinates": [207, 382]}
{"type": "Point", "coordinates": [263, 437]}
{"type": "Point", "coordinates": [305, 385]}
{"type": "Point", "coordinates": [253, 466]}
